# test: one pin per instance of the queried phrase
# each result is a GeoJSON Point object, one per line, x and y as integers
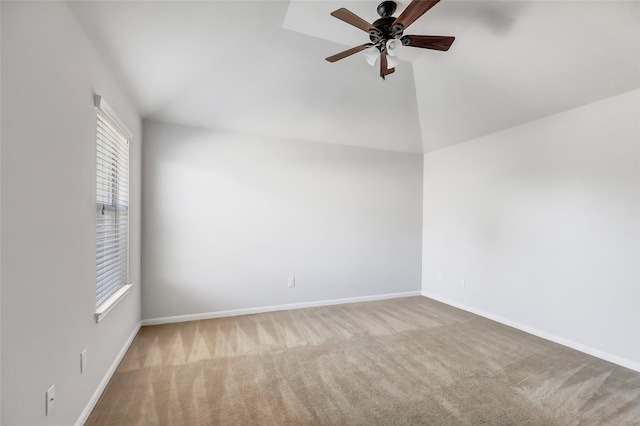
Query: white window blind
{"type": "Point", "coordinates": [112, 203]}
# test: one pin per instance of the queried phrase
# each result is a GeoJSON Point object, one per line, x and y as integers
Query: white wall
{"type": "Point", "coordinates": [49, 75]}
{"type": "Point", "coordinates": [228, 218]}
{"type": "Point", "coordinates": [0, 230]}
{"type": "Point", "coordinates": [543, 223]}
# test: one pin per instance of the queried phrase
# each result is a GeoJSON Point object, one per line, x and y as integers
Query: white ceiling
{"type": "Point", "coordinates": [258, 67]}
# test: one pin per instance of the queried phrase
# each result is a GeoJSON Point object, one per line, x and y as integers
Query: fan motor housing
{"type": "Point", "coordinates": [384, 33]}
{"type": "Point", "coordinates": [384, 28]}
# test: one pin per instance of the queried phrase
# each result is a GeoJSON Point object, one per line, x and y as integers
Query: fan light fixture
{"type": "Point", "coordinates": [393, 45]}
{"type": "Point", "coordinates": [392, 62]}
{"type": "Point", "coordinates": [371, 55]}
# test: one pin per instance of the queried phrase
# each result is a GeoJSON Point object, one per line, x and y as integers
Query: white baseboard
{"type": "Point", "coordinates": [542, 334]}
{"type": "Point", "coordinates": [262, 309]}
{"type": "Point", "coordinates": [84, 416]}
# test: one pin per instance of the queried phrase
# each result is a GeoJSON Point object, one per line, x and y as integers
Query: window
{"type": "Point", "coordinates": [112, 209]}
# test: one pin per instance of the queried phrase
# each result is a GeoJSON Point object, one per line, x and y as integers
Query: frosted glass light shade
{"type": "Point", "coordinates": [392, 46]}
{"type": "Point", "coordinates": [371, 55]}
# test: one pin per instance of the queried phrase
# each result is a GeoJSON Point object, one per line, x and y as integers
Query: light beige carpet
{"type": "Point", "coordinates": [396, 362]}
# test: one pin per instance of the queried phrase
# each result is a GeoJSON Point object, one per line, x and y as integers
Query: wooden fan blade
{"type": "Point", "coordinates": [346, 53]}
{"type": "Point", "coordinates": [352, 19]}
{"type": "Point", "coordinates": [428, 42]}
{"type": "Point", "coordinates": [416, 9]}
{"type": "Point", "coordinates": [383, 65]}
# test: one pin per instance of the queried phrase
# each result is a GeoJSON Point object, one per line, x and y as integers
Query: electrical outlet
{"type": "Point", "coordinates": [83, 361]}
{"type": "Point", "coordinates": [462, 283]}
{"type": "Point", "coordinates": [292, 281]}
{"type": "Point", "coordinates": [440, 277]}
{"type": "Point", "coordinates": [51, 399]}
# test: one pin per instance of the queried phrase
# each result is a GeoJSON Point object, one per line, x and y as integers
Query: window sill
{"type": "Point", "coordinates": [106, 306]}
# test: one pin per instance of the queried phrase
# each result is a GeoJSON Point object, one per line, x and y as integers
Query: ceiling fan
{"type": "Point", "coordinates": [387, 33]}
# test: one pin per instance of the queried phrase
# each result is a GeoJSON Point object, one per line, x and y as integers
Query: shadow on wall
{"type": "Point", "coordinates": [501, 16]}
{"type": "Point", "coordinates": [498, 17]}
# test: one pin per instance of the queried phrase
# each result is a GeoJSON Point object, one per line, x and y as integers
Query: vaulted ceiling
{"type": "Point", "coordinates": [258, 67]}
